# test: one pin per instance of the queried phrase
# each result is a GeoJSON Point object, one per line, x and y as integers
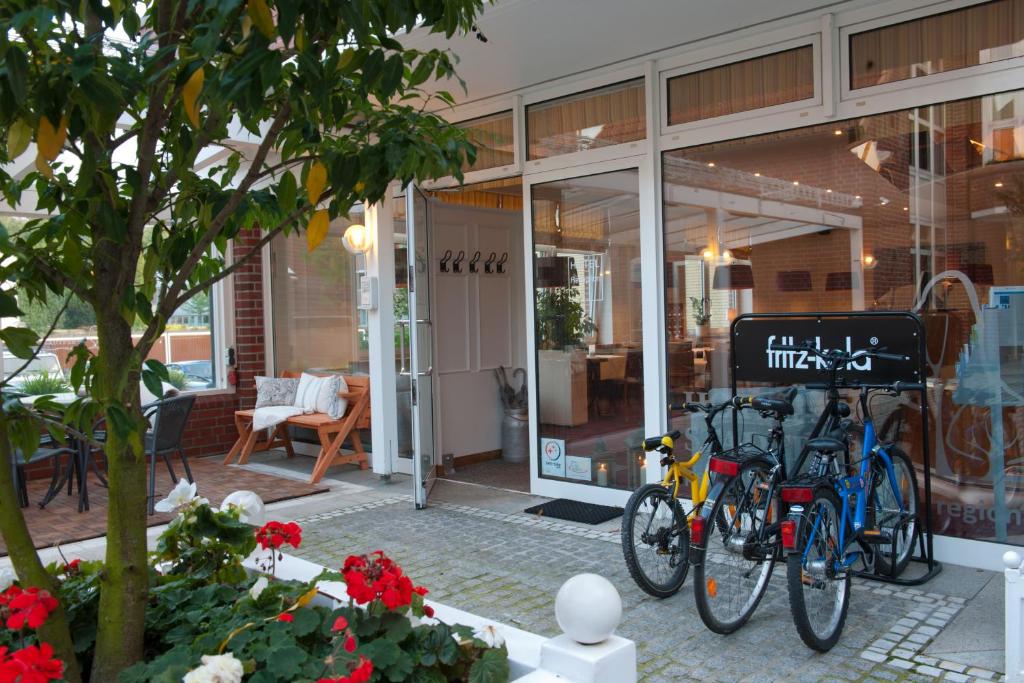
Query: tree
{"type": "Point", "coordinates": [304, 107]}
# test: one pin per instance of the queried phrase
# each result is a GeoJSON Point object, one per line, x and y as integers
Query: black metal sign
{"type": "Point", "coordinates": [755, 361]}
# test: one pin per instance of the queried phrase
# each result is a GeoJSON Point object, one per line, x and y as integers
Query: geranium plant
{"type": "Point", "coordinates": [23, 658]}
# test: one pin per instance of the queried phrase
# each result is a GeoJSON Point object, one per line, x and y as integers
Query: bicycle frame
{"type": "Point", "coordinates": [678, 471]}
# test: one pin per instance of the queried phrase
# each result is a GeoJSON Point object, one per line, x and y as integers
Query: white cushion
{"type": "Point", "coordinates": [275, 391]}
{"type": "Point", "coordinates": [320, 395]}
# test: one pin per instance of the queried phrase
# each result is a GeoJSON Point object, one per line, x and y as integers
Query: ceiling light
{"type": "Point", "coordinates": [837, 132]}
{"type": "Point", "coordinates": [796, 182]}
{"type": "Point", "coordinates": [856, 196]}
{"type": "Point", "coordinates": [708, 254]}
{"type": "Point", "coordinates": [727, 256]}
{"type": "Point", "coordinates": [998, 184]}
{"type": "Point", "coordinates": [905, 208]}
{"type": "Point", "coordinates": [829, 190]}
{"type": "Point", "coordinates": [757, 175]}
{"type": "Point", "coordinates": [711, 164]}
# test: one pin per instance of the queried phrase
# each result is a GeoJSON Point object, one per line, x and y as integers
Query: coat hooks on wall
{"type": "Point", "coordinates": [493, 265]}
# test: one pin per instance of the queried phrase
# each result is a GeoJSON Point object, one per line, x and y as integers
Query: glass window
{"type": "Point", "coordinates": [596, 118]}
{"type": "Point", "coordinates": [865, 214]}
{"type": "Point", "coordinates": [979, 34]}
{"type": "Point", "coordinates": [316, 324]}
{"type": "Point", "coordinates": [777, 78]}
{"type": "Point", "coordinates": [493, 139]}
{"type": "Point", "coordinates": [586, 238]}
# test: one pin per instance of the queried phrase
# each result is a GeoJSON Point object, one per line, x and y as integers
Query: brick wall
{"type": "Point", "coordinates": [211, 427]}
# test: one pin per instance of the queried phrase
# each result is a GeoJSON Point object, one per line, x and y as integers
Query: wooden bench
{"type": "Point", "coordinates": [332, 433]}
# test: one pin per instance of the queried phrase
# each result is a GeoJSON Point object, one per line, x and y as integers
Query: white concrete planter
{"type": "Point", "coordinates": [532, 658]}
{"type": "Point", "coordinates": [1014, 575]}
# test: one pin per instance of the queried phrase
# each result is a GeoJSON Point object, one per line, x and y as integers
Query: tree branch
{"type": "Point", "coordinates": [60, 276]}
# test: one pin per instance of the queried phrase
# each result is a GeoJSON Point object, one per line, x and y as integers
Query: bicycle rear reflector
{"type": "Point", "coordinates": [727, 467]}
{"type": "Point", "coordinates": [697, 531]}
{"type": "Point", "coordinates": [788, 529]}
{"type": "Point", "coordinates": [797, 494]}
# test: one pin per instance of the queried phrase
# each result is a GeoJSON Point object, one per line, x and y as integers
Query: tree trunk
{"type": "Point", "coordinates": [27, 564]}
{"type": "Point", "coordinates": [125, 582]}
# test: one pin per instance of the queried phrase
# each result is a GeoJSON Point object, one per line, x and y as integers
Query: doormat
{"type": "Point", "coordinates": [575, 511]}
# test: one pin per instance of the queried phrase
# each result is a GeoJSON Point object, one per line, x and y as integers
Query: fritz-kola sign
{"type": "Point", "coordinates": [755, 360]}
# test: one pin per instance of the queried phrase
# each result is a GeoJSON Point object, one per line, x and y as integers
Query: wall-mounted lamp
{"type": "Point", "coordinates": [869, 262]}
{"type": "Point", "coordinates": [356, 239]}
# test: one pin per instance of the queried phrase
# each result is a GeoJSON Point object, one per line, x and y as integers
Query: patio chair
{"type": "Point", "coordinates": [168, 417]}
{"type": "Point", "coordinates": [18, 465]}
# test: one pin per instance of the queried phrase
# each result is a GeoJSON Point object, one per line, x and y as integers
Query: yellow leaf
{"type": "Point", "coordinates": [43, 167]}
{"type": "Point", "coordinates": [316, 181]}
{"type": "Point", "coordinates": [316, 231]}
{"type": "Point", "coordinates": [360, 186]}
{"type": "Point", "coordinates": [262, 17]}
{"type": "Point", "coordinates": [306, 597]}
{"type": "Point", "coordinates": [300, 38]}
{"type": "Point", "coordinates": [190, 94]}
{"type": "Point", "coordinates": [50, 138]}
{"type": "Point", "coordinates": [18, 137]}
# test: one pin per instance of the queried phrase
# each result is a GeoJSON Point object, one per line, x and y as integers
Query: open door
{"type": "Point", "coordinates": [421, 352]}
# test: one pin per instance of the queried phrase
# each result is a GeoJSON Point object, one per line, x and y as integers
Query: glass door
{"type": "Point", "coordinates": [421, 346]}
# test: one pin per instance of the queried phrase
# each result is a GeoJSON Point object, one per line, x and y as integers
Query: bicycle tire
{"type": "Point", "coordinates": [706, 573]}
{"type": "Point", "coordinates": [678, 555]}
{"type": "Point", "coordinates": [821, 640]}
{"type": "Point", "coordinates": [894, 560]}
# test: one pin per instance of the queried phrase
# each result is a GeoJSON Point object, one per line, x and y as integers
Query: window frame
{"type": "Point", "coordinates": [222, 329]}
{"type": "Point", "coordinates": [807, 39]}
{"type": "Point", "coordinates": [920, 87]}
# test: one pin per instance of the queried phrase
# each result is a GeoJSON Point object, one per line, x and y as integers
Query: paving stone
{"type": "Point", "coordinates": [956, 678]}
{"type": "Point", "coordinates": [873, 656]}
{"type": "Point", "coordinates": [981, 673]}
{"type": "Point", "coordinates": [902, 663]}
{"type": "Point", "coordinates": [929, 670]}
{"type": "Point", "coordinates": [953, 666]}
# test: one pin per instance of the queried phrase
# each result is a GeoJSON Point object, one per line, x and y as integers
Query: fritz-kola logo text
{"type": "Point", "coordinates": [801, 360]}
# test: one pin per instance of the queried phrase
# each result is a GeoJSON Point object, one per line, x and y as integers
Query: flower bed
{"type": "Point", "coordinates": [212, 620]}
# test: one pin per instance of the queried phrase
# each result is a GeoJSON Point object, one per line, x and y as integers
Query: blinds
{"type": "Point", "coordinates": [777, 78]}
{"type": "Point", "coordinates": [492, 137]}
{"type": "Point", "coordinates": [597, 118]}
{"type": "Point", "coordinates": [944, 42]}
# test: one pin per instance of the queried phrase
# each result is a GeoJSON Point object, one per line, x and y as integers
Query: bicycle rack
{"type": "Point", "coordinates": [750, 332]}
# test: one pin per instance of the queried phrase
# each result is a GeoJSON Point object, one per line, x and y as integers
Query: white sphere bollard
{"type": "Point", "coordinates": [1012, 559]}
{"type": "Point", "coordinates": [253, 510]}
{"type": "Point", "coordinates": [588, 608]}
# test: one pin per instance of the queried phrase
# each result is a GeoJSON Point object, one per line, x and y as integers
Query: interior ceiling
{"type": "Point", "coordinates": [533, 41]}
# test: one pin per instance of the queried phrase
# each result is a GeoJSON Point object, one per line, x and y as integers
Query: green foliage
{"type": "Point", "coordinates": [561, 322]}
{"type": "Point", "coordinates": [44, 383]}
{"type": "Point", "coordinates": [40, 314]}
{"type": "Point", "coordinates": [177, 378]}
{"type": "Point", "coordinates": [701, 310]}
{"type": "Point", "coordinates": [206, 544]}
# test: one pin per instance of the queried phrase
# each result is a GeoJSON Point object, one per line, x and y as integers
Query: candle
{"type": "Point", "coordinates": [602, 475]}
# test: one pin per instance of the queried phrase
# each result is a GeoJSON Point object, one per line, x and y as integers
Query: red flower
{"type": "Point", "coordinates": [377, 577]}
{"type": "Point", "coordinates": [363, 672]}
{"type": "Point", "coordinates": [276, 534]}
{"type": "Point", "coordinates": [72, 566]}
{"type": "Point", "coordinates": [29, 608]}
{"type": "Point", "coordinates": [35, 664]}
{"type": "Point", "coordinates": [428, 610]}
{"type": "Point", "coordinates": [350, 644]}
{"type": "Point", "coordinates": [340, 624]}
{"type": "Point", "coordinates": [420, 590]}
{"type": "Point", "coordinates": [286, 617]}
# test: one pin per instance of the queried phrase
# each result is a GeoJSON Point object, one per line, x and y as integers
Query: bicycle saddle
{"type": "Point", "coordinates": [780, 403]}
{"type": "Point", "coordinates": [832, 442]}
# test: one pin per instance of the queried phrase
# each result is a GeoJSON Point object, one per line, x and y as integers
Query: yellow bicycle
{"type": "Point", "coordinates": [655, 529]}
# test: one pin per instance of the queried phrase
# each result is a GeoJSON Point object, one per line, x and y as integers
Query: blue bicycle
{"type": "Point", "coordinates": [842, 512]}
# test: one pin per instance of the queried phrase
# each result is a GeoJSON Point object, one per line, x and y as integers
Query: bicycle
{"type": "Point", "coordinates": [654, 526]}
{"type": "Point", "coordinates": [838, 505]}
{"type": "Point", "coordinates": [743, 502]}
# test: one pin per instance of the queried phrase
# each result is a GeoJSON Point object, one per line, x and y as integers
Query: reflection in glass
{"type": "Point", "coordinates": [586, 236]}
{"type": "Point", "coordinates": [493, 140]}
{"type": "Point", "coordinates": [917, 209]}
{"type": "Point", "coordinates": [596, 118]}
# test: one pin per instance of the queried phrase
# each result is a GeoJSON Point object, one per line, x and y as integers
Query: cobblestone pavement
{"type": "Point", "coordinates": [507, 566]}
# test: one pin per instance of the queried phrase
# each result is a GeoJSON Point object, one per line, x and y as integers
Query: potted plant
{"type": "Point", "coordinates": [561, 321]}
{"type": "Point", "coordinates": [701, 307]}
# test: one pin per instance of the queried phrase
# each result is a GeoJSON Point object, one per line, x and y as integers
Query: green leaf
{"type": "Point", "coordinates": [287, 191]}
{"type": "Point", "coordinates": [492, 667]}
{"type": "Point", "coordinates": [155, 366]}
{"type": "Point", "coordinates": [20, 341]}
{"type": "Point", "coordinates": [286, 662]}
{"type": "Point", "coordinates": [17, 72]}
{"type": "Point", "coordinates": [306, 621]}
{"type": "Point", "coordinates": [8, 306]}
{"type": "Point", "coordinates": [152, 382]}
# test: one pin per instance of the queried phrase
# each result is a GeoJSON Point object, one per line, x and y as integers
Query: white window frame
{"type": "Point", "coordinates": [810, 39]}
{"type": "Point", "coordinates": [222, 327]}
{"type": "Point", "coordinates": [944, 86]}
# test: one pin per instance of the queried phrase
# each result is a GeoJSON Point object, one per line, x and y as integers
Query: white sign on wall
{"type": "Point", "coordinates": [577, 467]}
{"type": "Point", "coordinates": [552, 457]}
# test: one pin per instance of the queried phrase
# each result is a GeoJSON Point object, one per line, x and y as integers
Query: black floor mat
{"type": "Point", "coordinates": [575, 511]}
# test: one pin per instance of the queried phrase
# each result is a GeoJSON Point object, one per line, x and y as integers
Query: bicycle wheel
{"type": "Point", "coordinates": [893, 558]}
{"type": "Point", "coordinates": [733, 572]}
{"type": "Point", "coordinates": [819, 593]}
{"type": "Point", "coordinates": [656, 541]}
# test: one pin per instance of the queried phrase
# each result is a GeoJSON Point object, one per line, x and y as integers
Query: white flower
{"type": "Point", "coordinates": [182, 494]}
{"type": "Point", "coordinates": [490, 635]}
{"type": "Point", "coordinates": [258, 587]}
{"type": "Point", "coordinates": [216, 669]}
{"type": "Point", "coordinates": [251, 505]}
{"type": "Point", "coordinates": [7, 577]}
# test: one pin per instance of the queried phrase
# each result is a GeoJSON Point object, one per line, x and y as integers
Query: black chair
{"type": "Point", "coordinates": [168, 418]}
{"type": "Point", "coordinates": [19, 463]}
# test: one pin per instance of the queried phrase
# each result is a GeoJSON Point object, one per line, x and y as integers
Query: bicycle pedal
{"type": "Point", "coordinates": [874, 536]}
